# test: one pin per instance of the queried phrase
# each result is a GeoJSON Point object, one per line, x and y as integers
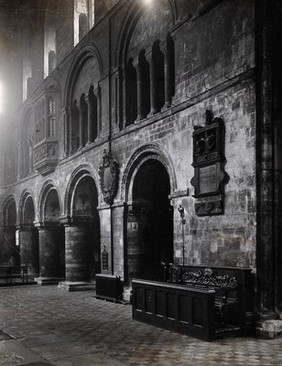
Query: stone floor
{"type": "Point", "coordinates": [44, 325]}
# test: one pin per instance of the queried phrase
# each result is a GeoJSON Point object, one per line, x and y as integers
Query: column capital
{"type": "Point", "coordinates": [25, 227]}
{"type": "Point", "coordinates": [45, 225]}
{"type": "Point", "coordinates": [149, 55]}
{"type": "Point", "coordinates": [65, 220]}
{"type": "Point", "coordinates": [76, 221]}
{"type": "Point", "coordinates": [86, 97]}
{"type": "Point", "coordinates": [135, 62]}
{"type": "Point", "coordinates": [163, 47]}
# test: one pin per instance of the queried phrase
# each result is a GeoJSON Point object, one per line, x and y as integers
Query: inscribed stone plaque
{"type": "Point", "coordinates": [208, 179]}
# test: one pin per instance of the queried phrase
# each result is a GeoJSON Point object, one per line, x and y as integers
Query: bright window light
{"type": "Point", "coordinates": [147, 2]}
{"type": "Point", "coordinates": [1, 97]}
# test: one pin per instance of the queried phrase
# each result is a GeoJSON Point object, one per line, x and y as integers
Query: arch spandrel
{"type": "Point", "coordinates": [153, 19]}
{"type": "Point", "coordinates": [84, 81]}
{"type": "Point", "coordinates": [86, 53]}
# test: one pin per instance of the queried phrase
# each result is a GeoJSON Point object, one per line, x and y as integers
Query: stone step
{"type": "Point", "coordinates": [269, 328]}
{"type": "Point", "coordinates": [77, 286]}
{"type": "Point", "coordinates": [48, 280]}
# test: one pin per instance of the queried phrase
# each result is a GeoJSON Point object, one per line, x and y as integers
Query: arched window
{"type": "Point", "coordinates": [131, 93]}
{"type": "Point", "coordinates": [27, 141]}
{"type": "Point", "coordinates": [145, 84]}
{"type": "Point", "coordinates": [84, 16]}
{"type": "Point", "coordinates": [82, 25]}
{"type": "Point", "coordinates": [39, 121]}
{"type": "Point", "coordinates": [171, 68]}
{"type": "Point", "coordinates": [83, 121]}
{"type": "Point", "coordinates": [93, 115]}
{"type": "Point", "coordinates": [74, 127]}
{"type": "Point", "coordinates": [26, 76]}
{"type": "Point", "coordinates": [50, 51]}
{"type": "Point", "coordinates": [51, 117]}
{"type": "Point", "coordinates": [159, 82]}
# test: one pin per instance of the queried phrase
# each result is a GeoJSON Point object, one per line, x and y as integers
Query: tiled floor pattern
{"type": "Point", "coordinates": [48, 326]}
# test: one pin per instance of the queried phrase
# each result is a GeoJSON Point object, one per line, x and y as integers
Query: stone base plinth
{"type": "Point", "coordinates": [77, 286]}
{"type": "Point", "coordinates": [47, 280]}
{"type": "Point", "coordinates": [269, 328]}
{"type": "Point", "coordinates": [127, 295]}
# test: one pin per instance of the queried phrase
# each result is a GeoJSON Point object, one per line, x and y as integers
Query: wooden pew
{"type": "Point", "coordinates": [206, 303]}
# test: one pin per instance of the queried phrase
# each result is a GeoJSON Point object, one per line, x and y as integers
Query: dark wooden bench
{"type": "Point", "coordinates": [108, 287]}
{"type": "Point", "coordinates": [174, 307]}
{"type": "Point", "coordinates": [203, 302]}
{"type": "Point", "coordinates": [12, 272]}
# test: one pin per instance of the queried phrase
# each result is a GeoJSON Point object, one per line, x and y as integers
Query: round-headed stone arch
{"type": "Point", "coordinates": [149, 240]}
{"type": "Point", "coordinates": [82, 229]}
{"type": "Point", "coordinates": [26, 143]}
{"type": "Point", "coordinates": [144, 15]}
{"type": "Point", "coordinates": [147, 151]}
{"type": "Point", "coordinates": [82, 91]}
{"type": "Point", "coordinates": [9, 212]}
{"type": "Point", "coordinates": [27, 234]}
{"type": "Point", "coordinates": [27, 208]}
{"type": "Point", "coordinates": [9, 253]}
{"type": "Point", "coordinates": [51, 234]}
{"type": "Point", "coordinates": [89, 52]}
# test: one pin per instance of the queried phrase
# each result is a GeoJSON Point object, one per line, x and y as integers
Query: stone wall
{"type": "Point", "coordinates": [214, 61]}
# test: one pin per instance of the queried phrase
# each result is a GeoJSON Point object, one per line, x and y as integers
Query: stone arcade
{"type": "Point", "coordinates": [135, 133]}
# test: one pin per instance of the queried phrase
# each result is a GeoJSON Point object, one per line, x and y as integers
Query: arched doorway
{"type": "Point", "coordinates": [28, 236]}
{"type": "Point", "coordinates": [51, 237]}
{"type": "Point", "coordinates": [83, 231]}
{"type": "Point", "coordinates": [149, 222]}
{"type": "Point", "coordinates": [9, 253]}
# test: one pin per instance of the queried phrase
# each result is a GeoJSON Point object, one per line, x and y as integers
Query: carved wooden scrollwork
{"type": "Point", "coordinates": [108, 173]}
{"type": "Point", "coordinates": [208, 162]}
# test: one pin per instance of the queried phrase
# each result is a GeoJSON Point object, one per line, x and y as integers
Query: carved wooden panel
{"type": "Point", "coordinates": [208, 162]}
{"type": "Point", "coordinates": [108, 172]}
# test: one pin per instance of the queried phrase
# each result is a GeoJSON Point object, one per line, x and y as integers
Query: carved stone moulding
{"type": "Point", "coordinates": [45, 157]}
{"type": "Point", "coordinates": [214, 207]}
{"type": "Point", "coordinates": [108, 173]}
{"type": "Point", "coordinates": [209, 161]}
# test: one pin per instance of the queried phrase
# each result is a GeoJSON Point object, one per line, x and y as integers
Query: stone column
{"type": "Point", "coordinates": [139, 249]}
{"type": "Point", "coordinates": [9, 251]}
{"type": "Point", "coordinates": [76, 253]}
{"type": "Point", "coordinates": [77, 256]}
{"type": "Point", "coordinates": [118, 98]}
{"type": "Point", "coordinates": [66, 119]}
{"type": "Point", "coordinates": [80, 108]}
{"type": "Point", "coordinates": [29, 249]}
{"type": "Point", "coordinates": [70, 142]}
{"type": "Point", "coordinates": [166, 75]}
{"type": "Point", "coordinates": [266, 256]}
{"type": "Point", "coordinates": [77, 261]}
{"type": "Point", "coordinates": [49, 254]}
{"type": "Point", "coordinates": [105, 222]}
{"type": "Point", "coordinates": [153, 101]}
{"type": "Point", "coordinates": [99, 111]}
{"type": "Point", "coordinates": [138, 68]}
{"type": "Point", "coordinates": [19, 159]}
{"type": "Point", "coordinates": [123, 88]}
{"type": "Point", "coordinates": [90, 120]}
